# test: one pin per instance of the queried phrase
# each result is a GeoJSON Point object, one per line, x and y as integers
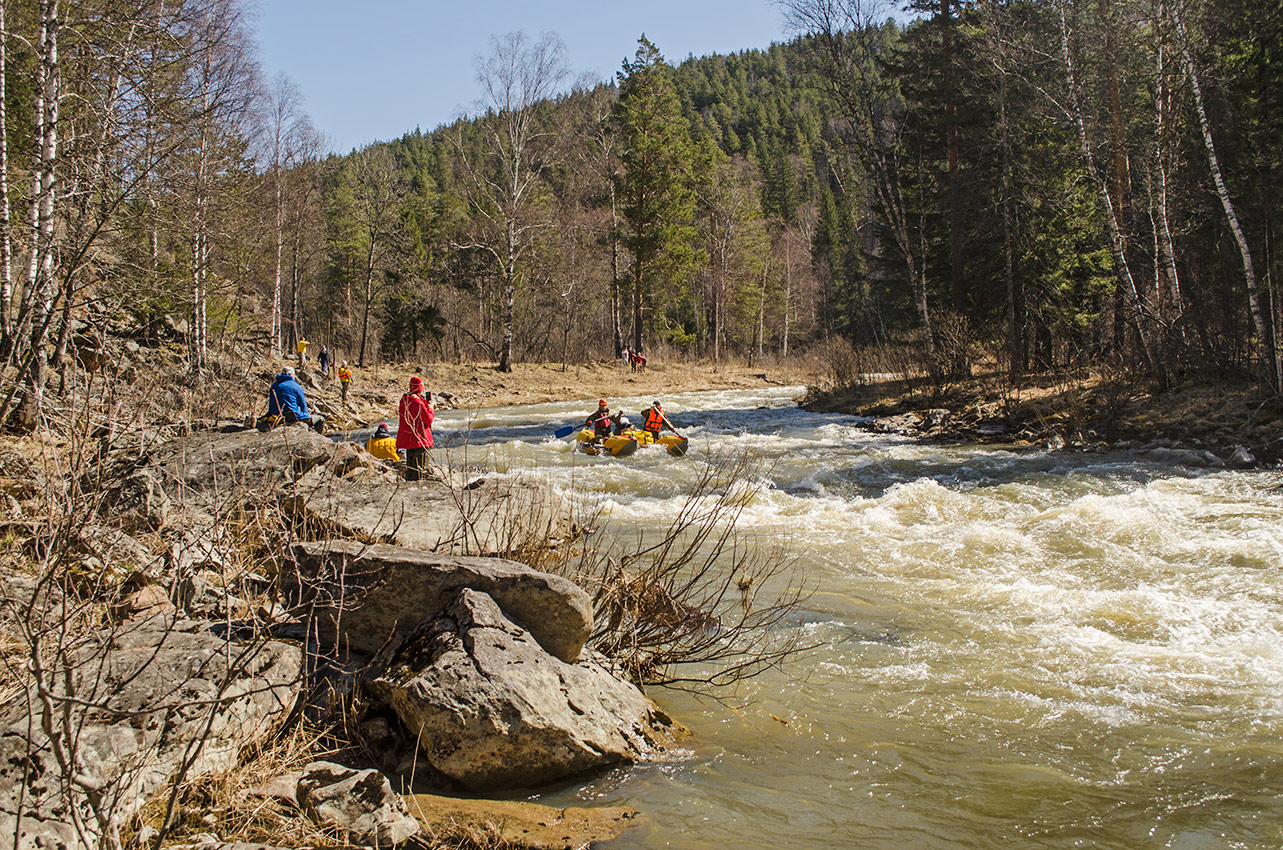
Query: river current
{"type": "Point", "coordinates": [1014, 648]}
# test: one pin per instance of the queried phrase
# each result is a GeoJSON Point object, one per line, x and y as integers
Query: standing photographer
{"type": "Point", "coordinates": [414, 431]}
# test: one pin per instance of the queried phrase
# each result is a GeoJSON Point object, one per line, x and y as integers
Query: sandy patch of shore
{"type": "Point", "coordinates": [478, 385]}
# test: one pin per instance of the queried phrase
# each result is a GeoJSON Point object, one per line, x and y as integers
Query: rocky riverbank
{"type": "Point", "coordinates": [1195, 424]}
{"type": "Point", "coordinates": [214, 635]}
{"type": "Point", "coordinates": [164, 644]}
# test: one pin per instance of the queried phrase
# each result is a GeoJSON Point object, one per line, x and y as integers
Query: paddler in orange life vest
{"type": "Point", "coordinates": [656, 420]}
{"type": "Point", "coordinates": [599, 422]}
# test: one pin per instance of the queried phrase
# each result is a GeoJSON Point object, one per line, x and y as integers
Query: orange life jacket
{"type": "Point", "coordinates": [345, 375]}
{"type": "Point", "coordinates": [654, 420]}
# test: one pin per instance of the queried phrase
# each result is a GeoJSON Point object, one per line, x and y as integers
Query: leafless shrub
{"type": "Point", "coordinates": [97, 713]}
{"type": "Point", "coordinates": [841, 363]}
{"type": "Point", "coordinates": [700, 603]}
{"type": "Point", "coordinates": [953, 347]}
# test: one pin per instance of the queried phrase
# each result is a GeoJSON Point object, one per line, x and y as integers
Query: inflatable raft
{"type": "Point", "coordinates": [621, 446]}
{"type": "Point", "coordinates": [676, 445]}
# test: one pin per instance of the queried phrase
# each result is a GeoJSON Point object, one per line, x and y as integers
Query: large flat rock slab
{"type": "Point", "coordinates": [363, 499]}
{"type": "Point", "coordinates": [363, 594]}
{"type": "Point", "coordinates": [217, 467]}
{"type": "Point", "coordinates": [522, 824]}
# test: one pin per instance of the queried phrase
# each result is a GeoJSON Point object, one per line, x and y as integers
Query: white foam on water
{"type": "Point", "coordinates": [981, 613]}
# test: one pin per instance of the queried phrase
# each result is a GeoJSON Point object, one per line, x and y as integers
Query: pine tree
{"type": "Point", "coordinates": [658, 203]}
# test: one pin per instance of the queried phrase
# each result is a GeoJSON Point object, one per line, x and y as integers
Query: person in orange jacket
{"type": "Point", "coordinates": [345, 381]}
{"type": "Point", "coordinates": [656, 421]}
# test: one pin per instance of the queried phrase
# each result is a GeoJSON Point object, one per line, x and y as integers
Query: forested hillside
{"type": "Point", "coordinates": [1029, 185]}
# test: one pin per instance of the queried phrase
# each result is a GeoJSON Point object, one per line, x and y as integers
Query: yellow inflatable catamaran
{"type": "Point", "coordinates": [627, 443]}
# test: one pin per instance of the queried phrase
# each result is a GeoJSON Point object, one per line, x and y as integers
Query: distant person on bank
{"type": "Point", "coordinates": [323, 359]}
{"type": "Point", "coordinates": [286, 401]}
{"type": "Point", "coordinates": [414, 431]}
{"type": "Point", "coordinates": [345, 381]}
{"type": "Point", "coordinates": [382, 444]}
{"type": "Point", "coordinates": [301, 348]}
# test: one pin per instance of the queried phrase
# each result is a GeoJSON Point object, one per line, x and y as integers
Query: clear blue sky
{"type": "Point", "coordinates": [372, 70]}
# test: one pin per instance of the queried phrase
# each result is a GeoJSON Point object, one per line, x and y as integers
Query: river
{"type": "Point", "coordinates": [1017, 649]}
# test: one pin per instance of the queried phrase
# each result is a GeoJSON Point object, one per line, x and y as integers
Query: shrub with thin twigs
{"type": "Point", "coordinates": [60, 633]}
{"type": "Point", "coordinates": [699, 604]}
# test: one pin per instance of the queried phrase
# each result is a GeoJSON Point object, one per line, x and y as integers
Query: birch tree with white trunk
{"type": "Point", "coordinates": [503, 182]}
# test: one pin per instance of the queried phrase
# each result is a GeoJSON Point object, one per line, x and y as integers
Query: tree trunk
{"type": "Point", "coordinates": [509, 299]}
{"type": "Point", "coordinates": [1166, 248]}
{"type": "Point", "coordinates": [788, 288]}
{"type": "Point", "coordinates": [279, 235]}
{"type": "Point", "coordinates": [44, 189]}
{"type": "Point", "coordinates": [1231, 217]}
{"type": "Point", "coordinates": [369, 299]}
{"type": "Point", "coordinates": [638, 269]}
{"type": "Point", "coordinates": [6, 237]}
{"type": "Point", "coordinates": [1102, 187]}
{"type": "Point", "coordinates": [957, 279]}
{"type": "Point", "coordinates": [1119, 182]}
{"type": "Point", "coordinates": [1015, 295]}
{"type": "Point", "coordinates": [616, 326]}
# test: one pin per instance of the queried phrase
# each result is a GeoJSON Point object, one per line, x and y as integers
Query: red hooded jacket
{"type": "Point", "coordinates": [415, 428]}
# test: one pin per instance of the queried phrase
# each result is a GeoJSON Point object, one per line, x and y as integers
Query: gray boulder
{"type": "Point", "coordinates": [491, 709]}
{"type": "Point", "coordinates": [359, 803]}
{"type": "Point", "coordinates": [1241, 458]}
{"type": "Point", "coordinates": [150, 702]}
{"type": "Point", "coordinates": [361, 595]}
{"type": "Point", "coordinates": [1181, 457]}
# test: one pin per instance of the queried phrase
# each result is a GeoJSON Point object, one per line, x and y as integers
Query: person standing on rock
{"type": "Point", "coordinates": [301, 348]}
{"type": "Point", "coordinates": [414, 431]}
{"type": "Point", "coordinates": [323, 360]}
{"type": "Point", "coordinates": [345, 381]}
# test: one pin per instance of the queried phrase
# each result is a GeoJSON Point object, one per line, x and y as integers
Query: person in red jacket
{"type": "Point", "coordinates": [414, 431]}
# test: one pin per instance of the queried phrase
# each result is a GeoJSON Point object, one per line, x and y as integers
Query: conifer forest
{"type": "Point", "coordinates": [1023, 185]}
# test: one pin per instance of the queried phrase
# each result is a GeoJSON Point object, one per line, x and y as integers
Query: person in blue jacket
{"type": "Point", "coordinates": [286, 400]}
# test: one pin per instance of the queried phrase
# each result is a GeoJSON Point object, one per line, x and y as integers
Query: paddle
{"type": "Point", "coordinates": [566, 431]}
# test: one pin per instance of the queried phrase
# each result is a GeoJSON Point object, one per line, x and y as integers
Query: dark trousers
{"type": "Point", "coordinates": [416, 464]}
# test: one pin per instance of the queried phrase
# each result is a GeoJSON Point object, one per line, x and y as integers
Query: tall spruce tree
{"type": "Point", "coordinates": [658, 203]}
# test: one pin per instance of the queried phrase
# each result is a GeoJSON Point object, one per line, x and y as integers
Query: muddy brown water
{"type": "Point", "coordinates": [1018, 649]}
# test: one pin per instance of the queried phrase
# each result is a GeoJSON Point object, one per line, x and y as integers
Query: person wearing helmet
{"type": "Point", "coordinates": [600, 421]}
{"type": "Point", "coordinates": [656, 421]}
{"type": "Point", "coordinates": [619, 422]}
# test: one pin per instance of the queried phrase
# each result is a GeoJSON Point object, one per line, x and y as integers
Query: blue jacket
{"type": "Point", "coordinates": [285, 398]}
